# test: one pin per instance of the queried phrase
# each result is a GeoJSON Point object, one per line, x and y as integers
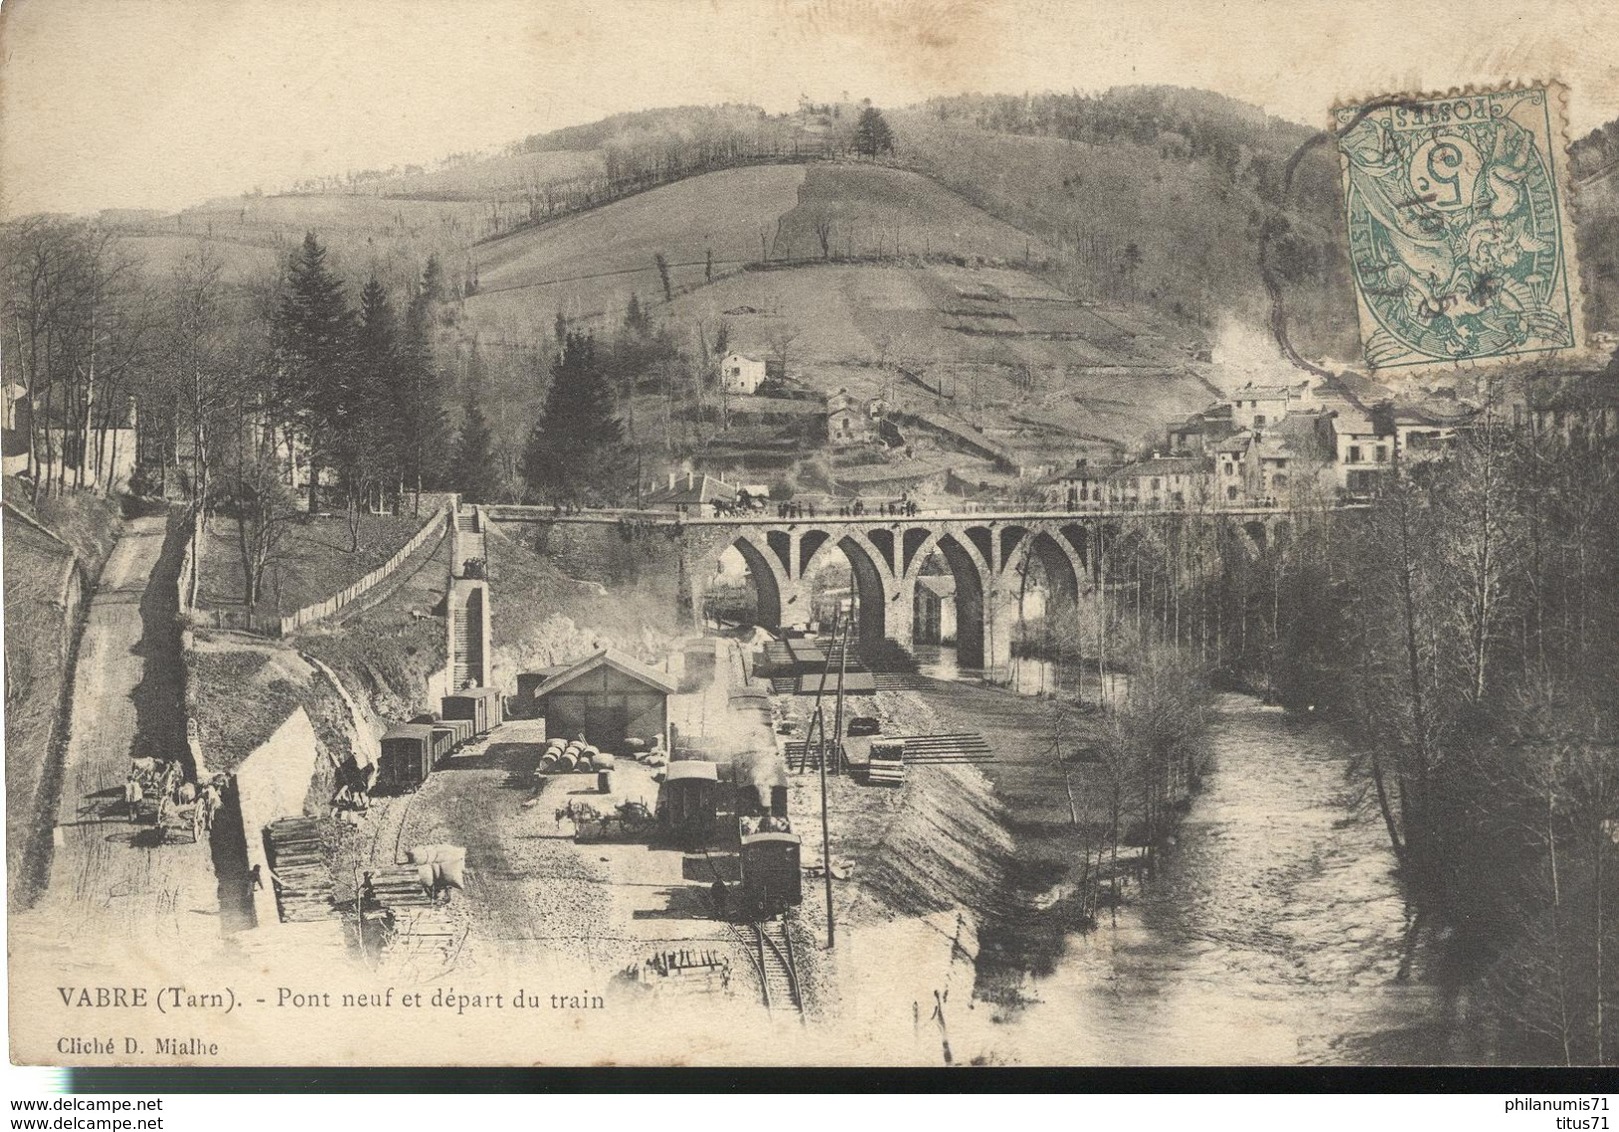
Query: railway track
{"type": "Point", "coordinates": [769, 947]}
{"type": "Point", "coordinates": [778, 971]}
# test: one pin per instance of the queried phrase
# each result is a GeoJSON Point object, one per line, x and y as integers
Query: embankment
{"type": "Point", "coordinates": [560, 591]}
{"type": "Point", "coordinates": [53, 557]}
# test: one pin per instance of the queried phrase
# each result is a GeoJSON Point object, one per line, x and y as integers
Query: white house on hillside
{"type": "Point", "coordinates": [742, 374]}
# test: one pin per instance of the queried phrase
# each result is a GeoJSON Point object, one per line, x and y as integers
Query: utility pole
{"type": "Point", "coordinates": [826, 828]}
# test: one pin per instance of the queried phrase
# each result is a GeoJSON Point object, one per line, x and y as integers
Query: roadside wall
{"type": "Point", "coordinates": [272, 783]}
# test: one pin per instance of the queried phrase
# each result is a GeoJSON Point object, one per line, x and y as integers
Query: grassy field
{"type": "Point", "coordinates": [971, 337]}
{"type": "Point", "coordinates": [1196, 232]}
{"type": "Point", "coordinates": [876, 210]}
{"type": "Point", "coordinates": [317, 562]}
{"type": "Point", "coordinates": [588, 264]}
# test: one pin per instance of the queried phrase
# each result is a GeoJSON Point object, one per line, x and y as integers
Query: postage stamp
{"type": "Point", "coordinates": [1460, 238]}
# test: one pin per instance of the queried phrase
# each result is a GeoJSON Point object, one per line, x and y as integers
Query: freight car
{"type": "Point", "coordinates": [407, 758]}
{"type": "Point", "coordinates": [688, 801]}
{"type": "Point", "coordinates": [772, 879]}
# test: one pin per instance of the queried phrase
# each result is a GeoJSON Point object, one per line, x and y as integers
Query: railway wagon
{"type": "Point", "coordinates": [480, 705]}
{"type": "Point", "coordinates": [688, 800]}
{"type": "Point", "coordinates": [406, 759]}
{"type": "Point", "coordinates": [447, 737]}
{"type": "Point", "coordinates": [771, 877]}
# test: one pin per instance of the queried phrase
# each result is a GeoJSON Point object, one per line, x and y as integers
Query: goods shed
{"type": "Point", "coordinates": [608, 698]}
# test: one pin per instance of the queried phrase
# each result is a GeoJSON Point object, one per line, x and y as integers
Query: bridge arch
{"type": "Point", "coordinates": [974, 585]}
{"type": "Point", "coordinates": [770, 583]}
{"type": "Point", "coordinates": [1064, 579]}
{"type": "Point", "coordinates": [868, 567]}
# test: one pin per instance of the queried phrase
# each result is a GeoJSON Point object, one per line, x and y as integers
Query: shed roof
{"type": "Point", "coordinates": [687, 769]}
{"type": "Point", "coordinates": [408, 731]}
{"type": "Point", "coordinates": [610, 658]}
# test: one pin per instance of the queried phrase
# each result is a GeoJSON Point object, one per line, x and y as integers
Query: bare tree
{"type": "Point", "coordinates": [823, 234]}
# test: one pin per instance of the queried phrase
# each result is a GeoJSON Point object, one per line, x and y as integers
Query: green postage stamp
{"type": "Point", "coordinates": [1460, 239]}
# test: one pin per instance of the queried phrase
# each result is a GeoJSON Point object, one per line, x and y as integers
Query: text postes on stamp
{"type": "Point", "coordinates": [1460, 241]}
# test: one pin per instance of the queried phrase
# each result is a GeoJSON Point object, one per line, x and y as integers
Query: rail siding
{"type": "Point", "coordinates": [360, 588]}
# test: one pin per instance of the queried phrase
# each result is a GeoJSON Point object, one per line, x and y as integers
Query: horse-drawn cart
{"type": "Point", "coordinates": [628, 821]}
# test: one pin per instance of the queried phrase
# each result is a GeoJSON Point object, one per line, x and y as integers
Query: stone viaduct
{"type": "Point", "coordinates": [986, 553]}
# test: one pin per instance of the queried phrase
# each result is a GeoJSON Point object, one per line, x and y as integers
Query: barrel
{"type": "Point", "coordinates": [586, 763]}
{"type": "Point", "coordinates": [604, 782]}
{"type": "Point", "coordinates": [568, 761]}
{"type": "Point", "coordinates": [604, 761]}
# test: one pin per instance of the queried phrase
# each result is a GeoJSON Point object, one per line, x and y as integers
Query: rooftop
{"type": "Point", "coordinates": [1162, 466]}
{"type": "Point", "coordinates": [693, 490]}
{"type": "Point", "coordinates": [610, 658]}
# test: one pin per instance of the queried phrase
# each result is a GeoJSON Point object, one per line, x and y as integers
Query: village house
{"type": "Point", "coordinates": [1232, 468]}
{"type": "Point", "coordinates": [1199, 433]}
{"type": "Point", "coordinates": [741, 374]}
{"type": "Point", "coordinates": [1423, 432]}
{"type": "Point", "coordinates": [851, 420]}
{"type": "Point", "coordinates": [1363, 448]}
{"type": "Point", "coordinates": [1256, 406]}
{"type": "Point", "coordinates": [97, 443]}
{"type": "Point", "coordinates": [1161, 481]}
{"type": "Point", "coordinates": [692, 494]}
{"type": "Point", "coordinates": [1079, 488]}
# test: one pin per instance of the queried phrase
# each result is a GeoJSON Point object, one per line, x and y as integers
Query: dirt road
{"type": "Point", "coordinates": [117, 889]}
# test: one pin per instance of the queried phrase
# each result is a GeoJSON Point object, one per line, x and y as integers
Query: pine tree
{"type": "Point", "coordinates": [871, 133]}
{"type": "Point", "coordinates": [576, 451]}
{"type": "Point", "coordinates": [635, 317]}
{"type": "Point", "coordinates": [474, 473]}
{"type": "Point", "coordinates": [315, 342]}
{"type": "Point", "coordinates": [366, 451]}
{"type": "Point", "coordinates": [420, 428]}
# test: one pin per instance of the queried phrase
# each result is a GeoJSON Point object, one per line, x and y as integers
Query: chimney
{"type": "Point", "coordinates": [688, 481]}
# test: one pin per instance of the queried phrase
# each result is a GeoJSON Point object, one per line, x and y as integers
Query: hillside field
{"type": "Point", "coordinates": [588, 264]}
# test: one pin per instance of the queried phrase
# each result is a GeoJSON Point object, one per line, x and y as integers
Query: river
{"type": "Point", "coordinates": [1275, 931]}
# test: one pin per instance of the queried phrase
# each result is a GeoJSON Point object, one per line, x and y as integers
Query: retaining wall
{"type": "Point", "coordinates": [337, 601]}
{"type": "Point", "coordinates": [272, 783]}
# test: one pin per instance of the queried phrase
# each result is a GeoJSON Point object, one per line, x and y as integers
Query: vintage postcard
{"type": "Point", "coordinates": [729, 533]}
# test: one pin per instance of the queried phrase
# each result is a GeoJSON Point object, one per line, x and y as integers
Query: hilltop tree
{"type": "Point", "coordinates": [663, 275]}
{"type": "Point", "coordinates": [871, 133]}
{"type": "Point", "coordinates": [576, 451]}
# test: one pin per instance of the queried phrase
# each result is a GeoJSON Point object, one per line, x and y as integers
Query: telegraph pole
{"type": "Point", "coordinates": [826, 828]}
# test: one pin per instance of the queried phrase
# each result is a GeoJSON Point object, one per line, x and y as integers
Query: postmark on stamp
{"type": "Point", "coordinates": [1461, 244]}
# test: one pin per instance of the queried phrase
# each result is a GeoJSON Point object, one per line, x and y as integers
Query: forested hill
{"type": "Point", "coordinates": [1147, 195]}
{"type": "Point", "coordinates": [1158, 194]}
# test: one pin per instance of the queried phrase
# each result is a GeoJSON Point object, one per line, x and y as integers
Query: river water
{"type": "Point", "coordinates": [1275, 931]}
